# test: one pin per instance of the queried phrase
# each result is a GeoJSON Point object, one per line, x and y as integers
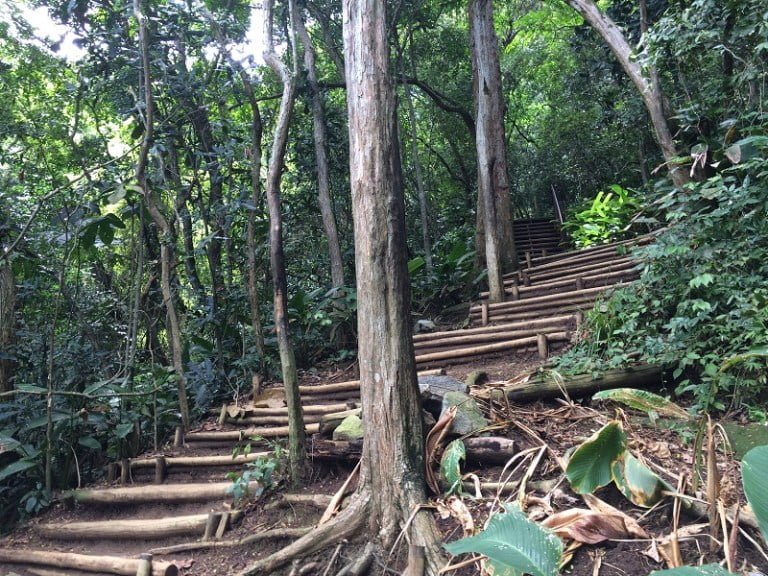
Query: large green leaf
{"type": "Point", "coordinates": [590, 465]}
{"type": "Point", "coordinates": [706, 570]}
{"type": "Point", "coordinates": [754, 476]}
{"type": "Point", "coordinates": [636, 481]}
{"type": "Point", "coordinates": [645, 401]}
{"type": "Point", "coordinates": [16, 467]}
{"type": "Point", "coordinates": [513, 542]}
{"type": "Point", "coordinates": [450, 464]}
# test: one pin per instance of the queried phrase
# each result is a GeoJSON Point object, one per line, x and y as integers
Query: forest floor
{"type": "Point", "coordinates": [560, 425]}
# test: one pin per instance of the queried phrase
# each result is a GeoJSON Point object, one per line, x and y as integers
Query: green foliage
{"type": "Point", "coordinates": [648, 402]}
{"type": "Point", "coordinates": [604, 458]}
{"type": "Point", "coordinates": [605, 218]}
{"type": "Point", "coordinates": [450, 465]}
{"type": "Point", "coordinates": [754, 472]}
{"type": "Point", "coordinates": [514, 545]}
{"type": "Point", "coordinates": [264, 470]}
{"type": "Point", "coordinates": [706, 570]}
{"type": "Point", "coordinates": [589, 467]}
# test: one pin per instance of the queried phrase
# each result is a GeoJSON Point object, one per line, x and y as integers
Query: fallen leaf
{"type": "Point", "coordinates": [461, 513]}
{"type": "Point", "coordinates": [434, 439]}
{"type": "Point", "coordinates": [587, 526]}
{"type": "Point", "coordinates": [601, 507]}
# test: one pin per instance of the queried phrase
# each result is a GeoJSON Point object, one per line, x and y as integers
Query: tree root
{"type": "Point", "coordinates": [265, 535]}
{"type": "Point", "coordinates": [346, 525]}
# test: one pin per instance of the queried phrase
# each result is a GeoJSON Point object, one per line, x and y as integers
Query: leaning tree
{"type": "Point", "coordinates": [391, 484]}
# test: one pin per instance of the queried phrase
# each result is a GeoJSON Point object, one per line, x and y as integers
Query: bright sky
{"type": "Point", "coordinates": [50, 32]}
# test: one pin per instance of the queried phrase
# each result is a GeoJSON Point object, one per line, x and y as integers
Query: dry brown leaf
{"type": "Point", "coordinates": [434, 439]}
{"type": "Point", "coordinates": [462, 514]}
{"type": "Point", "coordinates": [653, 551]}
{"type": "Point", "coordinates": [234, 411]}
{"type": "Point", "coordinates": [601, 507]}
{"type": "Point", "coordinates": [587, 526]}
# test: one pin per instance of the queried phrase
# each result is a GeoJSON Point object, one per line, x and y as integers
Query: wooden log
{"type": "Point", "coordinates": [483, 314]}
{"type": "Point", "coordinates": [577, 386]}
{"type": "Point", "coordinates": [174, 493]}
{"type": "Point", "coordinates": [330, 422]}
{"type": "Point", "coordinates": [271, 420]}
{"type": "Point", "coordinates": [531, 324]}
{"type": "Point", "coordinates": [489, 449]}
{"type": "Point", "coordinates": [347, 386]}
{"type": "Point", "coordinates": [538, 313]}
{"type": "Point", "coordinates": [211, 524]}
{"type": "Point", "coordinates": [161, 469]}
{"type": "Point", "coordinates": [542, 344]}
{"type": "Point", "coordinates": [178, 437]}
{"type": "Point", "coordinates": [537, 276]}
{"type": "Point", "coordinates": [239, 435]}
{"type": "Point", "coordinates": [309, 409]}
{"type": "Point", "coordinates": [460, 340]}
{"type": "Point", "coordinates": [86, 563]}
{"type": "Point", "coordinates": [196, 461]}
{"type": "Point", "coordinates": [151, 529]}
{"type": "Point", "coordinates": [145, 565]}
{"type": "Point", "coordinates": [336, 449]}
{"type": "Point", "coordinates": [348, 396]}
{"type": "Point", "coordinates": [488, 348]}
{"type": "Point", "coordinates": [540, 300]}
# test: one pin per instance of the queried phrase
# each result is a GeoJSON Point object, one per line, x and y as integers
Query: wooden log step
{"type": "Point", "coordinates": [520, 316]}
{"type": "Point", "coordinates": [539, 301]}
{"type": "Point", "coordinates": [168, 494]}
{"type": "Point", "coordinates": [616, 247]}
{"type": "Point", "coordinates": [459, 340]}
{"type": "Point", "coordinates": [176, 462]}
{"type": "Point", "coordinates": [348, 385]}
{"type": "Point", "coordinates": [239, 435]}
{"type": "Point", "coordinates": [579, 260]}
{"type": "Point", "coordinates": [145, 529]}
{"type": "Point", "coordinates": [309, 409]}
{"type": "Point", "coordinates": [347, 396]}
{"type": "Point", "coordinates": [87, 563]}
{"type": "Point", "coordinates": [543, 323]}
{"type": "Point", "coordinates": [281, 420]}
{"type": "Point", "coordinates": [573, 271]}
{"type": "Point", "coordinates": [482, 350]}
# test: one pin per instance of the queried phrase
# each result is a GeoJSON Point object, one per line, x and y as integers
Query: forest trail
{"type": "Point", "coordinates": [178, 501]}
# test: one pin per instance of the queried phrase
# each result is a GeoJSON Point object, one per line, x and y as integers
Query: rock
{"type": "Point", "coordinates": [424, 326]}
{"type": "Point", "coordinates": [477, 377]}
{"type": "Point", "coordinates": [469, 417]}
{"type": "Point", "coordinates": [433, 388]}
{"type": "Point", "coordinates": [428, 419]}
{"type": "Point", "coordinates": [351, 428]}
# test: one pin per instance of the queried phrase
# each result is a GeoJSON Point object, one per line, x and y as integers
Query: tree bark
{"type": "Point", "coordinates": [252, 281]}
{"type": "Point", "coordinates": [392, 465]}
{"type": "Point", "coordinates": [167, 240]}
{"type": "Point", "coordinates": [321, 158]}
{"type": "Point", "coordinates": [493, 181]}
{"type": "Point", "coordinates": [649, 88]}
{"type": "Point", "coordinates": [7, 325]}
{"type": "Point", "coordinates": [296, 434]}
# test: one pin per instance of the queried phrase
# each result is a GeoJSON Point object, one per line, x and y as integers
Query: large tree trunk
{"type": "Point", "coordinates": [167, 240]}
{"type": "Point", "coordinates": [392, 463]}
{"type": "Point", "coordinates": [492, 178]}
{"type": "Point", "coordinates": [650, 90]}
{"type": "Point", "coordinates": [296, 448]}
{"type": "Point", "coordinates": [321, 157]}
{"type": "Point", "coordinates": [7, 324]}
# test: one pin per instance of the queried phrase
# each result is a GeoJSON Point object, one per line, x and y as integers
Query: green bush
{"type": "Point", "coordinates": [702, 298]}
{"type": "Point", "coordinates": [603, 219]}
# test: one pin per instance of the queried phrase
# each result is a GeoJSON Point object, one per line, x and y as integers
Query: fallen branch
{"type": "Point", "coordinates": [274, 534]}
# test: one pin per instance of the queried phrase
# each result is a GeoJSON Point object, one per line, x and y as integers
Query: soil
{"type": "Point", "coordinates": [559, 424]}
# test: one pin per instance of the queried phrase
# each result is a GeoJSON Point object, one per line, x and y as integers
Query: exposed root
{"type": "Point", "coordinates": [359, 565]}
{"type": "Point", "coordinates": [265, 535]}
{"type": "Point", "coordinates": [346, 525]}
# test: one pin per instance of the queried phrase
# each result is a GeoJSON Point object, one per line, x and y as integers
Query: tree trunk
{"type": "Point", "coordinates": [492, 179]}
{"type": "Point", "coordinates": [167, 239]}
{"type": "Point", "coordinates": [7, 325]}
{"type": "Point", "coordinates": [650, 90]}
{"type": "Point", "coordinates": [296, 448]}
{"type": "Point", "coordinates": [252, 282]}
{"type": "Point", "coordinates": [392, 462]}
{"type": "Point", "coordinates": [321, 157]}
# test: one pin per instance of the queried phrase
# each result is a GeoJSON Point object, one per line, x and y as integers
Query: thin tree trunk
{"type": "Point", "coordinates": [252, 284]}
{"type": "Point", "coordinates": [423, 211]}
{"type": "Point", "coordinates": [7, 325]}
{"type": "Point", "coordinates": [296, 434]}
{"type": "Point", "coordinates": [650, 90]}
{"type": "Point", "coordinates": [493, 182]}
{"type": "Point", "coordinates": [392, 465]}
{"type": "Point", "coordinates": [167, 240]}
{"type": "Point", "coordinates": [321, 156]}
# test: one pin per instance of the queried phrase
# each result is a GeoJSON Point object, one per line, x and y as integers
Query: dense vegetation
{"type": "Point", "coordinates": [86, 348]}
